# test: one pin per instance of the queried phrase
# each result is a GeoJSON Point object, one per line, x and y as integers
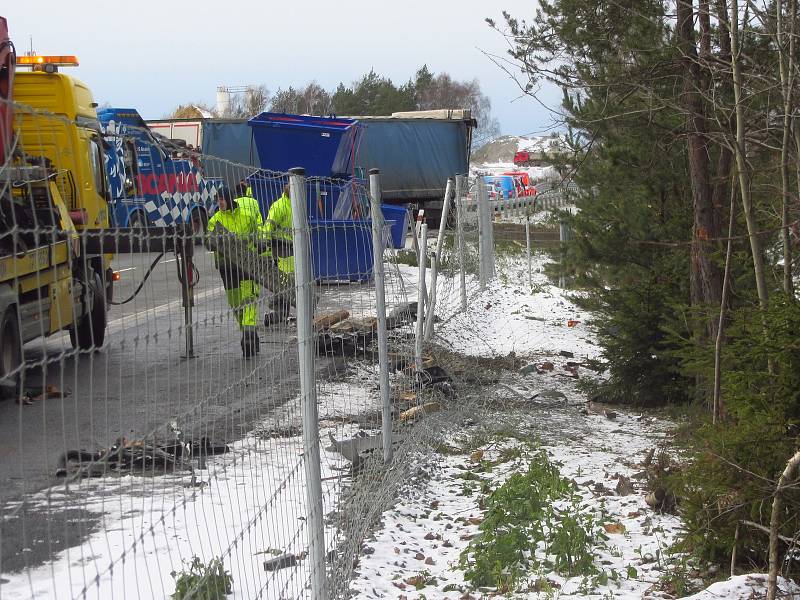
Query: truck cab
{"type": "Point", "coordinates": [54, 190]}
{"type": "Point", "coordinates": [151, 183]}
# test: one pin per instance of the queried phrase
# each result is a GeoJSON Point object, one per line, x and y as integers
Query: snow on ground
{"type": "Point", "coordinates": [546, 173]}
{"type": "Point", "coordinates": [746, 586]}
{"type": "Point", "coordinates": [415, 551]}
{"type": "Point", "coordinates": [541, 144]}
{"type": "Point", "coordinates": [423, 536]}
{"type": "Point", "coordinates": [510, 316]}
{"type": "Point", "coordinates": [245, 506]}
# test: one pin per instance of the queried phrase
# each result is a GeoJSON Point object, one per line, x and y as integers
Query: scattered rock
{"type": "Point", "coordinates": [476, 456]}
{"type": "Point", "coordinates": [430, 561]}
{"type": "Point", "coordinates": [528, 369]}
{"type": "Point", "coordinates": [648, 458]}
{"type": "Point", "coordinates": [624, 486]}
{"type": "Point", "coordinates": [550, 394]}
{"type": "Point", "coordinates": [661, 500]}
{"type": "Point", "coordinates": [419, 556]}
{"type": "Point", "coordinates": [547, 366]}
{"type": "Point", "coordinates": [567, 354]}
{"type": "Point", "coordinates": [475, 520]}
{"type": "Point", "coordinates": [599, 488]}
{"type": "Point", "coordinates": [572, 370]}
{"type": "Point", "coordinates": [599, 409]}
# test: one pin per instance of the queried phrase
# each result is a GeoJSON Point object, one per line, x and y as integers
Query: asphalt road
{"type": "Point", "coordinates": [137, 385]}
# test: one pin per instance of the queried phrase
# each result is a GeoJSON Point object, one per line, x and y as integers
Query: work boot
{"type": "Point", "coordinates": [271, 318]}
{"type": "Point", "coordinates": [250, 343]}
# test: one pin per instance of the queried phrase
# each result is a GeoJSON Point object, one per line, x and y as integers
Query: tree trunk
{"type": "Point", "coordinates": [725, 160]}
{"type": "Point", "coordinates": [718, 411]}
{"type": "Point", "coordinates": [786, 67]}
{"type": "Point", "coordinates": [774, 524]}
{"type": "Point", "coordinates": [740, 151]}
{"type": "Point", "coordinates": [705, 275]}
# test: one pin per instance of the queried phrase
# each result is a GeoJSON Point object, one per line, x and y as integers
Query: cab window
{"type": "Point", "coordinates": [96, 159]}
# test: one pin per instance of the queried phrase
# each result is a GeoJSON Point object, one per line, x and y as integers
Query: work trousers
{"type": "Point", "coordinates": [243, 300]}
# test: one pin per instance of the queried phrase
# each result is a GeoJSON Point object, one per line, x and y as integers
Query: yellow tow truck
{"type": "Point", "coordinates": [53, 193]}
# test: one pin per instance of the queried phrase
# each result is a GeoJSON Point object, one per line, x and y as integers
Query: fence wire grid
{"type": "Point", "coordinates": [177, 394]}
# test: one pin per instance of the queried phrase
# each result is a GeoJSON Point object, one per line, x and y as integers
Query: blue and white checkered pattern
{"type": "Point", "coordinates": [174, 209]}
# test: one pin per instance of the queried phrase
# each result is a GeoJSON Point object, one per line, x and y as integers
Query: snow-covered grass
{"type": "Point", "coordinates": [416, 552]}
{"type": "Point", "coordinates": [250, 504]}
{"type": "Point", "coordinates": [746, 586]}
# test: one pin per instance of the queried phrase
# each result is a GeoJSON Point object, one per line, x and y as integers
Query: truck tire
{"type": "Point", "coordinates": [90, 332]}
{"type": "Point", "coordinates": [10, 351]}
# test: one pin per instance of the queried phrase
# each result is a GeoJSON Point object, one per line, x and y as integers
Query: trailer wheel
{"type": "Point", "coordinates": [90, 332]}
{"type": "Point", "coordinates": [10, 350]}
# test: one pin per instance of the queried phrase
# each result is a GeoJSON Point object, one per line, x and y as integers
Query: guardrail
{"type": "Point", "coordinates": [547, 198]}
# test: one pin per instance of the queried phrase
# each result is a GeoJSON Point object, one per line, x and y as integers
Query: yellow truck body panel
{"type": "Point", "coordinates": [60, 103]}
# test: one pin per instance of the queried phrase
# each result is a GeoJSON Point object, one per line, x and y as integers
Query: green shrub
{"type": "Point", "coordinates": [531, 508]}
{"type": "Point", "coordinates": [202, 582]}
{"type": "Point", "coordinates": [735, 463]}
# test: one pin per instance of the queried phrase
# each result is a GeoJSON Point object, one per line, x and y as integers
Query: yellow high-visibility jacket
{"type": "Point", "coordinates": [279, 225]}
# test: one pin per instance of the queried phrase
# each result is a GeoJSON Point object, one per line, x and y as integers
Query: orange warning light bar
{"type": "Point", "coordinates": [116, 276]}
{"type": "Point", "coordinates": [65, 60]}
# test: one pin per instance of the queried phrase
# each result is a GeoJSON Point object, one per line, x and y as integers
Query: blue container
{"type": "Point", "coordinates": [321, 194]}
{"type": "Point", "coordinates": [397, 218]}
{"type": "Point", "coordinates": [324, 146]}
{"type": "Point", "coordinates": [341, 250]}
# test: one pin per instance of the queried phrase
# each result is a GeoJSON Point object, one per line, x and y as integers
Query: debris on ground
{"type": "Point", "coordinates": [135, 456]}
{"type": "Point", "coordinates": [34, 394]}
{"type": "Point", "coordinates": [282, 561]}
{"type": "Point", "coordinates": [416, 412]}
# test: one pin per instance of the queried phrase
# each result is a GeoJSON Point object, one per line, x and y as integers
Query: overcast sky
{"type": "Point", "coordinates": [154, 55]}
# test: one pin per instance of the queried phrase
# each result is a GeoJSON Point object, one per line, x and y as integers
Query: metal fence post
{"type": "Point", "coordinates": [482, 202]}
{"type": "Point", "coordinates": [304, 292]}
{"type": "Point", "coordinates": [486, 243]}
{"type": "Point", "coordinates": [430, 316]}
{"type": "Point", "coordinates": [378, 236]}
{"type": "Point", "coordinates": [564, 235]}
{"type": "Point", "coordinates": [421, 294]}
{"type": "Point", "coordinates": [460, 187]}
{"type": "Point", "coordinates": [528, 248]}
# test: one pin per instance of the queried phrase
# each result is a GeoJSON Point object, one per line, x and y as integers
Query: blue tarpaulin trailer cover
{"type": "Point", "coordinates": [231, 140]}
{"type": "Point", "coordinates": [415, 156]}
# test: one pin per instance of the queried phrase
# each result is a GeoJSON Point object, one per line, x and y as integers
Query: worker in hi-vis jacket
{"type": "Point", "coordinates": [277, 230]}
{"type": "Point", "coordinates": [242, 218]}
